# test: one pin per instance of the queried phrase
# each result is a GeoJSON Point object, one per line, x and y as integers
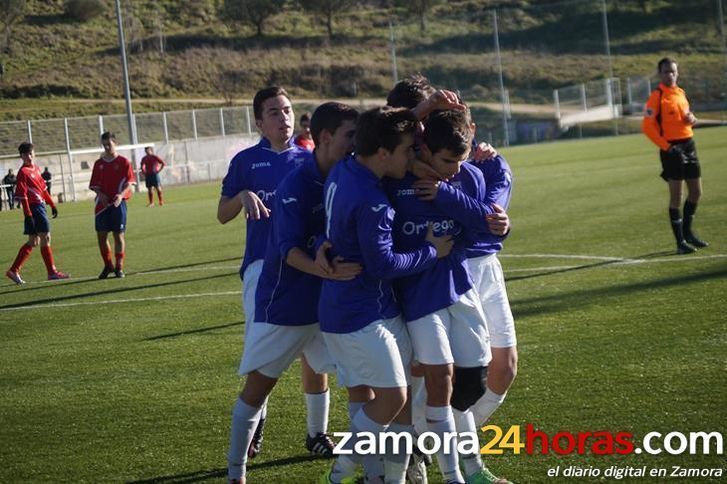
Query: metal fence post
{"type": "Point", "coordinates": [100, 125]}
{"type": "Point", "coordinates": [194, 122]}
{"type": "Point", "coordinates": [247, 115]}
{"type": "Point", "coordinates": [583, 97]}
{"type": "Point", "coordinates": [166, 127]}
{"type": "Point", "coordinates": [222, 122]}
{"type": "Point", "coordinates": [70, 159]}
{"type": "Point", "coordinates": [556, 100]}
{"type": "Point", "coordinates": [30, 133]}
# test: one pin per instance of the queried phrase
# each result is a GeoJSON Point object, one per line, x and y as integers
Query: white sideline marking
{"type": "Point", "coordinates": [119, 301]}
{"type": "Point", "coordinates": [616, 260]}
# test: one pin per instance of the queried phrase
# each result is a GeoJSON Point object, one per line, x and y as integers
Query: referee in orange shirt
{"type": "Point", "coordinates": [668, 123]}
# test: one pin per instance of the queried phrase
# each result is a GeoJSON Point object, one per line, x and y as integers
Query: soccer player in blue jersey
{"type": "Point", "coordinates": [472, 397]}
{"type": "Point", "coordinates": [360, 319]}
{"type": "Point", "coordinates": [250, 184]}
{"type": "Point", "coordinates": [443, 311]}
{"type": "Point", "coordinates": [286, 316]}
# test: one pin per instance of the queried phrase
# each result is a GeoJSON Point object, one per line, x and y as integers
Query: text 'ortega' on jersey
{"type": "Point", "coordinates": [443, 227]}
{"type": "Point", "coordinates": [289, 200]}
{"type": "Point", "coordinates": [265, 196]}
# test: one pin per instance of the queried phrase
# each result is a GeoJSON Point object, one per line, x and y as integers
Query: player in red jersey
{"type": "Point", "coordinates": [151, 165]}
{"type": "Point", "coordinates": [30, 190]}
{"type": "Point", "coordinates": [111, 178]}
{"type": "Point", "coordinates": [305, 139]}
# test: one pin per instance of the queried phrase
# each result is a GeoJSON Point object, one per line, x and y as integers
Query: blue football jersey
{"type": "Point", "coordinates": [359, 221]}
{"type": "Point", "coordinates": [498, 177]}
{"type": "Point", "coordinates": [260, 169]}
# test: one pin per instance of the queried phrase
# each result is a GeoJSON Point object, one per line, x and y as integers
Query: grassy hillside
{"type": "Point", "coordinates": [544, 45]}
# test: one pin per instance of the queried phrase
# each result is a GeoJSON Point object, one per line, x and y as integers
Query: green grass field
{"type": "Point", "coordinates": [133, 380]}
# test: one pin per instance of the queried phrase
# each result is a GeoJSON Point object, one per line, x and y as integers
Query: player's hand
{"type": "Point", "coordinates": [443, 244]}
{"type": "Point", "coordinates": [427, 189]}
{"type": "Point", "coordinates": [483, 152]}
{"type": "Point", "coordinates": [690, 118]}
{"type": "Point", "coordinates": [254, 208]}
{"type": "Point", "coordinates": [118, 198]}
{"type": "Point", "coordinates": [54, 211]}
{"type": "Point", "coordinates": [344, 271]}
{"type": "Point", "coordinates": [498, 222]}
{"type": "Point", "coordinates": [103, 199]}
{"type": "Point", "coordinates": [443, 99]}
{"type": "Point", "coordinates": [322, 257]}
{"type": "Point", "coordinates": [422, 170]}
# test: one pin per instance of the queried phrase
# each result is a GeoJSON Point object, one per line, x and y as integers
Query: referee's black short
{"type": "Point", "coordinates": [680, 163]}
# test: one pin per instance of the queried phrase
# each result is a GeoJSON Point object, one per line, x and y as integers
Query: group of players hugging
{"type": "Point", "coordinates": [374, 256]}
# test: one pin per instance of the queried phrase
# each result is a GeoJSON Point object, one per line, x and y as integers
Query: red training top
{"type": "Point", "coordinates": [306, 143]}
{"type": "Point", "coordinates": [30, 188]}
{"type": "Point", "coordinates": [151, 164]}
{"type": "Point", "coordinates": [109, 177]}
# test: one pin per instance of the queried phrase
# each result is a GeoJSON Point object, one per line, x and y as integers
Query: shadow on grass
{"type": "Point", "coordinates": [588, 266]}
{"type": "Point", "coordinates": [39, 302]}
{"type": "Point", "coordinates": [194, 331]}
{"type": "Point", "coordinates": [15, 288]}
{"type": "Point", "coordinates": [567, 301]}
{"type": "Point", "coordinates": [221, 473]}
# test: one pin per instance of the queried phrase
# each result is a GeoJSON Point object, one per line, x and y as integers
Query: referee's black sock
{"type": "Point", "coordinates": [689, 209]}
{"type": "Point", "coordinates": [676, 224]}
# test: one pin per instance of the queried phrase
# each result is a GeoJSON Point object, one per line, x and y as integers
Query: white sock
{"type": "Point", "coordinates": [264, 410]}
{"type": "Point", "coordinates": [486, 406]}
{"type": "Point", "coordinates": [395, 463]}
{"type": "Point", "coordinates": [465, 422]}
{"type": "Point", "coordinates": [317, 417]}
{"type": "Point", "coordinates": [244, 421]}
{"type": "Point", "coordinates": [418, 404]}
{"type": "Point", "coordinates": [373, 464]}
{"type": "Point", "coordinates": [441, 421]}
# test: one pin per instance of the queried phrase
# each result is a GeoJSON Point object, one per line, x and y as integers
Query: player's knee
{"type": "Point", "coordinates": [469, 385]}
{"type": "Point", "coordinates": [439, 384]}
{"type": "Point", "coordinates": [34, 241]}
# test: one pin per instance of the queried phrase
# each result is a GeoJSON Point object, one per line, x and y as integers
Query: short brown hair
{"type": "Point", "coordinates": [448, 130]}
{"type": "Point", "coordinates": [409, 92]}
{"type": "Point", "coordinates": [383, 127]}
{"type": "Point", "coordinates": [108, 135]}
{"type": "Point", "coordinates": [25, 147]}
{"type": "Point", "coordinates": [329, 116]}
{"type": "Point", "coordinates": [263, 95]}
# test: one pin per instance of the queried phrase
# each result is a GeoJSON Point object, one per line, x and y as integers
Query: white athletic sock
{"type": "Point", "coordinates": [418, 404]}
{"type": "Point", "coordinates": [465, 422]}
{"type": "Point", "coordinates": [244, 421]}
{"type": "Point", "coordinates": [441, 421]}
{"type": "Point", "coordinates": [317, 417]}
{"type": "Point", "coordinates": [486, 406]}
{"type": "Point", "coordinates": [373, 464]}
{"type": "Point", "coordinates": [395, 463]}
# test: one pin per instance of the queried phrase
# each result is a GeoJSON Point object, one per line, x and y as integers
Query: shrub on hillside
{"type": "Point", "coordinates": [84, 9]}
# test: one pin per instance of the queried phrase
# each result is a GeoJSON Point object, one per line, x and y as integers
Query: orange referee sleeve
{"type": "Point", "coordinates": [650, 125]}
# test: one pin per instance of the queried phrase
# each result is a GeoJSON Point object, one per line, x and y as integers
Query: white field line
{"type": "Point", "coordinates": [120, 301]}
{"type": "Point", "coordinates": [615, 260]}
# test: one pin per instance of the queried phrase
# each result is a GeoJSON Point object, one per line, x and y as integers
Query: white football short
{"type": "Point", "coordinates": [271, 348]}
{"type": "Point", "coordinates": [377, 355]}
{"type": "Point", "coordinates": [486, 273]}
{"type": "Point", "coordinates": [249, 285]}
{"type": "Point", "coordinates": [456, 334]}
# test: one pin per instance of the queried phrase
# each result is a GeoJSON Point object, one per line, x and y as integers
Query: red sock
{"type": "Point", "coordinates": [120, 260]}
{"type": "Point", "coordinates": [23, 255]}
{"type": "Point", "coordinates": [47, 254]}
{"type": "Point", "coordinates": [159, 194]}
{"type": "Point", "coordinates": [151, 197]}
{"type": "Point", "coordinates": [106, 254]}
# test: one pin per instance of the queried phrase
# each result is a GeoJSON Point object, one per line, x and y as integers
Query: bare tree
{"type": "Point", "coordinates": [11, 11]}
{"type": "Point", "coordinates": [327, 9]}
{"type": "Point", "coordinates": [254, 12]}
{"type": "Point", "coordinates": [420, 8]}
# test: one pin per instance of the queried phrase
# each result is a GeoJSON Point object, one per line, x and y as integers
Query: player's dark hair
{"type": "Point", "coordinates": [147, 148]}
{"type": "Point", "coordinates": [409, 92]}
{"type": "Point", "coordinates": [108, 135]}
{"type": "Point", "coordinates": [448, 130]}
{"type": "Point", "coordinates": [263, 95]}
{"type": "Point", "coordinates": [383, 128]}
{"type": "Point", "coordinates": [25, 147]}
{"type": "Point", "coordinates": [664, 62]}
{"type": "Point", "coordinates": [304, 117]}
{"type": "Point", "coordinates": [330, 116]}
